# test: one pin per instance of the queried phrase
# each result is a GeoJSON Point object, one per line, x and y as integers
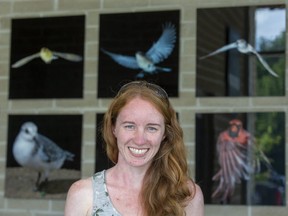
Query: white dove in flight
{"type": "Point", "coordinates": [47, 56]}
{"type": "Point", "coordinates": [243, 47]}
{"type": "Point", "coordinates": [157, 53]}
{"type": "Point", "coordinates": [37, 152]}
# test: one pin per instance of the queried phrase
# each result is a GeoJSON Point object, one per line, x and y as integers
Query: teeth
{"type": "Point", "coordinates": [138, 151]}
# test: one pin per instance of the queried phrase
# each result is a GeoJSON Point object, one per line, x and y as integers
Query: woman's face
{"type": "Point", "coordinates": [139, 131]}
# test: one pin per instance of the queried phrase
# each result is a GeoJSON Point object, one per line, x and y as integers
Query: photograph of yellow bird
{"type": "Point", "coordinates": [47, 56]}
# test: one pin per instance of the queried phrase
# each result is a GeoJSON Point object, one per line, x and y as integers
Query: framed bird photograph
{"type": "Point", "coordinates": [102, 162]}
{"type": "Point", "coordinates": [43, 155]}
{"type": "Point", "coordinates": [241, 51]}
{"type": "Point", "coordinates": [47, 57]}
{"type": "Point", "coordinates": [137, 46]}
{"type": "Point", "coordinates": [240, 158]}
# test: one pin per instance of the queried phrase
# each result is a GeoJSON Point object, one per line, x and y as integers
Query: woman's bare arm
{"type": "Point", "coordinates": [79, 198]}
{"type": "Point", "coordinates": [195, 206]}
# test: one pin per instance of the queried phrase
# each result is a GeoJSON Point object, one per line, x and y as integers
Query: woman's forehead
{"type": "Point", "coordinates": [138, 108]}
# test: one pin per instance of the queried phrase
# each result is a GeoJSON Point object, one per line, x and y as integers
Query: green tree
{"type": "Point", "coordinates": [267, 85]}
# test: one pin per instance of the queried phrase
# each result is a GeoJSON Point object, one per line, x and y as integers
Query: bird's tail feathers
{"type": "Point", "coordinates": [203, 57]}
{"type": "Point", "coordinates": [69, 156]}
{"type": "Point", "coordinates": [105, 51]}
{"type": "Point", "coordinates": [163, 69]}
{"type": "Point", "coordinates": [158, 69]}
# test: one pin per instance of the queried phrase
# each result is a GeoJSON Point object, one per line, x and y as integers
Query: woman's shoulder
{"type": "Point", "coordinates": [81, 186]}
{"type": "Point", "coordinates": [196, 203]}
{"type": "Point", "coordinates": [79, 197]}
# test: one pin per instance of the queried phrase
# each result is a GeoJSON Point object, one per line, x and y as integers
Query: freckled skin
{"type": "Point", "coordinates": [139, 131]}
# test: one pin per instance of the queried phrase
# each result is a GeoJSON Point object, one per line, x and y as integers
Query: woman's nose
{"type": "Point", "coordinates": [140, 137]}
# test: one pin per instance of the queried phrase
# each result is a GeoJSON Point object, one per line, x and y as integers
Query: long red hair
{"type": "Point", "coordinates": [165, 190]}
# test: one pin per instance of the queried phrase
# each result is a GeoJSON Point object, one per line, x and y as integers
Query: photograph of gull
{"type": "Point", "coordinates": [147, 61]}
{"type": "Point", "coordinates": [138, 46]}
{"type": "Point", "coordinates": [43, 155]}
{"type": "Point", "coordinates": [47, 56]}
{"type": "Point", "coordinates": [243, 47]}
{"type": "Point", "coordinates": [36, 151]}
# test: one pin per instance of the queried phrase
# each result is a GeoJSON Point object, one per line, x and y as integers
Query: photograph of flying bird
{"type": "Point", "coordinates": [37, 152]}
{"type": "Point", "coordinates": [148, 61]}
{"type": "Point", "coordinates": [243, 47]}
{"type": "Point", "coordinates": [233, 148]}
{"type": "Point", "coordinates": [47, 56]}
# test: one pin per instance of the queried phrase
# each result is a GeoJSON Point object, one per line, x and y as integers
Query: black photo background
{"type": "Point", "coordinates": [128, 33]}
{"type": "Point", "coordinates": [61, 78]}
{"type": "Point", "coordinates": [66, 132]}
{"type": "Point", "coordinates": [233, 72]}
{"type": "Point", "coordinates": [264, 188]}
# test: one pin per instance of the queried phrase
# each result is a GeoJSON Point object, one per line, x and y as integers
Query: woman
{"type": "Point", "coordinates": [150, 176]}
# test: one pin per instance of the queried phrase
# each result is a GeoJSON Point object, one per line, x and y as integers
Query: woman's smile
{"type": "Point", "coordinates": [138, 152]}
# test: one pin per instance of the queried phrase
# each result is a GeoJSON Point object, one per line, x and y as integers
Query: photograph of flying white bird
{"type": "Point", "coordinates": [47, 56]}
{"type": "Point", "coordinates": [243, 47]}
{"type": "Point", "coordinates": [37, 152]}
{"type": "Point", "coordinates": [147, 61]}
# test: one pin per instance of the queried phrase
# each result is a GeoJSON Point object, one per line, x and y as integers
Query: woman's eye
{"type": "Point", "coordinates": [152, 129]}
{"type": "Point", "coordinates": [129, 127]}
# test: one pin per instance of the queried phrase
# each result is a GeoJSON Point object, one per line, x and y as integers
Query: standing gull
{"type": "Point", "coordinates": [37, 152]}
{"type": "Point", "coordinates": [243, 47]}
{"type": "Point", "coordinates": [156, 54]}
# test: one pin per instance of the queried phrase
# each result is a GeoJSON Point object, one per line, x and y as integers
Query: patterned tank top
{"type": "Point", "coordinates": [102, 205]}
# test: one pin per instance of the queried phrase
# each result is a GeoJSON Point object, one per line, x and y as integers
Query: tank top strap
{"type": "Point", "coordinates": [101, 201]}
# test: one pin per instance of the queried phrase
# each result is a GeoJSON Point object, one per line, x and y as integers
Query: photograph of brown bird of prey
{"type": "Point", "coordinates": [242, 161]}
{"type": "Point", "coordinates": [43, 155]}
{"type": "Point", "coordinates": [47, 57]}
{"type": "Point", "coordinates": [241, 51]}
{"type": "Point", "coordinates": [138, 46]}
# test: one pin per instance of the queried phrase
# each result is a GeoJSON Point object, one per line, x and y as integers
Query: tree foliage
{"type": "Point", "coordinates": [267, 85]}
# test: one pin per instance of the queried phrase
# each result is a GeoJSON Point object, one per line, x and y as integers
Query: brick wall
{"type": "Point", "coordinates": [186, 105]}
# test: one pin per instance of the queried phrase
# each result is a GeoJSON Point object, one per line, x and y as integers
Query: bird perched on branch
{"type": "Point", "coordinates": [37, 152]}
{"type": "Point", "coordinates": [47, 56]}
{"type": "Point", "coordinates": [238, 158]}
{"type": "Point", "coordinates": [243, 47]}
{"type": "Point", "coordinates": [159, 51]}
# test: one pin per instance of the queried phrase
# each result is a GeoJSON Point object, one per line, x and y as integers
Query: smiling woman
{"type": "Point", "coordinates": [150, 176]}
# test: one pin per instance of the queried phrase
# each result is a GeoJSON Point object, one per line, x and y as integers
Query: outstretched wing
{"type": "Point", "coordinates": [222, 49]}
{"type": "Point", "coordinates": [25, 60]}
{"type": "Point", "coordinates": [234, 165]}
{"type": "Point", "coordinates": [125, 61]}
{"type": "Point", "coordinates": [68, 56]}
{"type": "Point", "coordinates": [164, 46]}
{"type": "Point", "coordinates": [263, 62]}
